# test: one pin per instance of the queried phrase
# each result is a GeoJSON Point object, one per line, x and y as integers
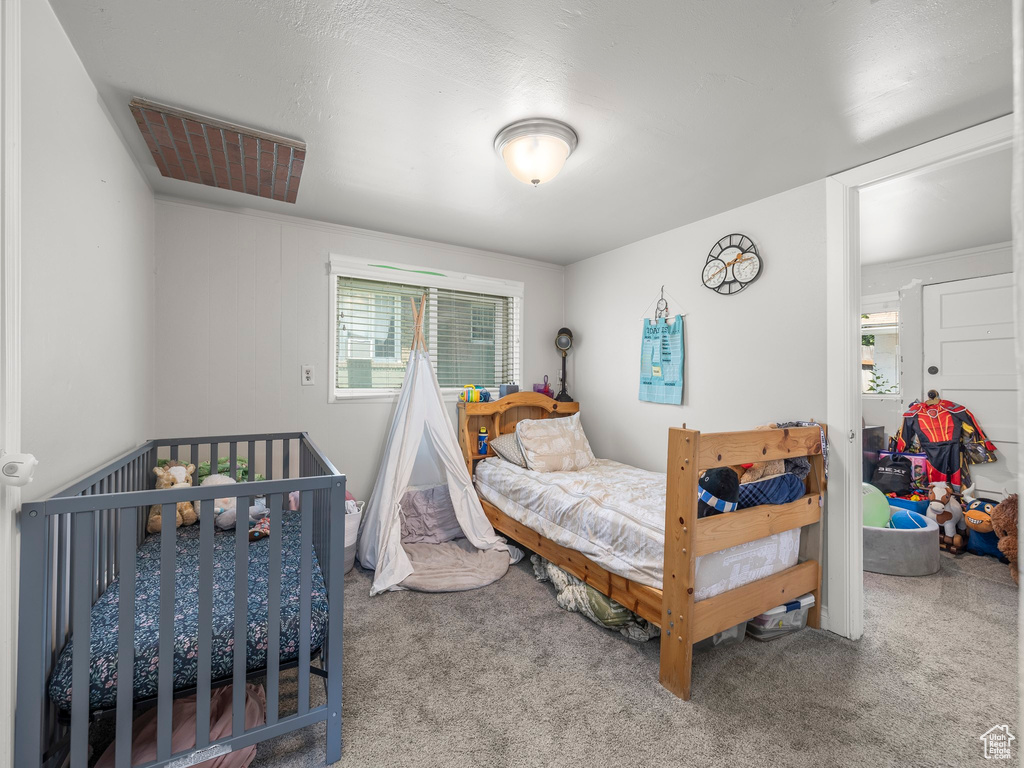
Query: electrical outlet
{"type": "Point", "coordinates": [308, 376]}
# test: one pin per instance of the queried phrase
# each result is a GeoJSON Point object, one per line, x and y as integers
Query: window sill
{"type": "Point", "coordinates": [382, 395]}
{"type": "Point", "coordinates": [874, 396]}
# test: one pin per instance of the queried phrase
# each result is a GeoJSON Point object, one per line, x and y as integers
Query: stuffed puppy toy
{"type": "Point", "coordinates": [718, 490]}
{"type": "Point", "coordinates": [172, 475]}
{"type": "Point", "coordinates": [1004, 523]}
{"type": "Point", "coordinates": [763, 468]}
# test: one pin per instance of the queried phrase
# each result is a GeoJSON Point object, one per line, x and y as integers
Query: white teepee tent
{"type": "Point", "coordinates": [421, 445]}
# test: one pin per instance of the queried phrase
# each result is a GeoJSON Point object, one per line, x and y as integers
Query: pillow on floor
{"type": "Point", "coordinates": [554, 445]}
{"type": "Point", "coordinates": [428, 516]}
{"type": "Point", "coordinates": [507, 448]}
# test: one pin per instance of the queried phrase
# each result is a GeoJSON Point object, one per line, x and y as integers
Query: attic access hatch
{"type": "Point", "coordinates": [192, 147]}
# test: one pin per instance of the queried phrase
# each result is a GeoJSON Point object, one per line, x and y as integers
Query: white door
{"type": "Point", "coordinates": [969, 358]}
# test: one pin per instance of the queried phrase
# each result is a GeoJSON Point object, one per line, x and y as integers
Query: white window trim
{"type": "Point", "coordinates": [408, 274]}
{"type": "Point", "coordinates": [885, 302]}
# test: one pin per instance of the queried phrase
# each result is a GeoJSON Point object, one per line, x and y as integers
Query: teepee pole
{"type": "Point", "coordinates": [417, 318]}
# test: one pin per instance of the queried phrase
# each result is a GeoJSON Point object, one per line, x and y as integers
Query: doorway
{"type": "Point", "coordinates": [845, 194]}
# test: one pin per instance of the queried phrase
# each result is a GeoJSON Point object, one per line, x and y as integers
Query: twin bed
{"type": "Point", "coordinates": [634, 535]}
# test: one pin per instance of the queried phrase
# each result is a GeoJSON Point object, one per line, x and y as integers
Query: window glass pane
{"type": "Point", "coordinates": [880, 353]}
{"type": "Point", "coordinates": [473, 338]}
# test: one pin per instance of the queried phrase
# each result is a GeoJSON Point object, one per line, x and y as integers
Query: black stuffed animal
{"type": "Point", "coordinates": [718, 491]}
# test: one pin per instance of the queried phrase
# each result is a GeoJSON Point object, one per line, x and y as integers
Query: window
{"type": "Point", "coordinates": [471, 327]}
{"type": "Point", "coordinates": [880, 353]}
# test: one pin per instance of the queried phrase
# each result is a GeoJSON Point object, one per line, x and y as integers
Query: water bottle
{"type": "Point", "coordinates": [481, 441]}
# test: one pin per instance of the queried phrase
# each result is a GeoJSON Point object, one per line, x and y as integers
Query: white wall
{"type": "Point", "coordinates": [242, 303]}
{"type": "Point", "coordinates": [752, 358]}
{"type": "Point", "coordinates": [87, 284]}
{"type": "Point", "coordinates": [908, 278]}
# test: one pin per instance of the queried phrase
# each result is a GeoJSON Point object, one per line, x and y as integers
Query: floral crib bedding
{"type": "Point", "coordinates": [103, 666]}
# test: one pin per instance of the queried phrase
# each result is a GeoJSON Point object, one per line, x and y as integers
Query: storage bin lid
{"type": "Point", "coordinates": [793, 605]}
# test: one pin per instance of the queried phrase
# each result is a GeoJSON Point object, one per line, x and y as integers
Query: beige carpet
{"type": "Point", "coordinates": [503, 677]}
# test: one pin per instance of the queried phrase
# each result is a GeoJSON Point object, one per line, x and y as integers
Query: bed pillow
{"type": "Point", "coordinates": [507, 448]}
{"type": "Point", "coordinates": [777, 489]}
{"type": "Point", "coordinates": [428, 516]}
{"type": "Point", "coordinates": [554, 445]}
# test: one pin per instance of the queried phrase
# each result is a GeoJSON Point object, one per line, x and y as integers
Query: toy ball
{"type": "Point", "coordinates": [876, 507]}
{"type": "Point", "coordinates": [906, 519]}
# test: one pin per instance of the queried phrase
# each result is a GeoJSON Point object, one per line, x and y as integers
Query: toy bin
{"type": "Point", "coordinates": [353, 516]}
{"type": "Point", "coordinates": [914, 506]}
{"type": "Point", "coordinates": [781, 620]}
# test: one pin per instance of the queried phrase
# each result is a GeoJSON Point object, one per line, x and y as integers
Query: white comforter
{"type": "Point", "coordinates": [615, 515]}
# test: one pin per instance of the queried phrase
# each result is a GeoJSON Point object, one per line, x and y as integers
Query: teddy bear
{"type": "Point", "coordinates": [172, 475]}
{"type": "Point", "coordinates": [1004, 523]}
{"type": "Point", "coordinates": [763, 468]}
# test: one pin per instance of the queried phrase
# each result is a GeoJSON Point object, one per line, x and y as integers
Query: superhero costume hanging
{"type": "Point", "coordinates": [941, 427]}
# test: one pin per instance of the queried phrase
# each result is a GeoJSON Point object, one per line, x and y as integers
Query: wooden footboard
{"type": "Point", "coordinates": [684, 621]}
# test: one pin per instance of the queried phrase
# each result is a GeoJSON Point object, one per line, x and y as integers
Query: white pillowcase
{"type": "Point", "coordinates": [554, 445]}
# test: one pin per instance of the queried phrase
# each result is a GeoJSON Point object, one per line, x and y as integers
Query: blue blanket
{"type": "Point", "coordinates": [103, 665]}
{"type": "Point", "coordinates": [780, 489]}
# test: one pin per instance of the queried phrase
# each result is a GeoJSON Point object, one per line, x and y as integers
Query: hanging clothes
{"type": "Point", "coordinates": [941, 429]}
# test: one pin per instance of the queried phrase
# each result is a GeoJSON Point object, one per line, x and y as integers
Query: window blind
{"type": "Point", "coordinates": [473, 338]}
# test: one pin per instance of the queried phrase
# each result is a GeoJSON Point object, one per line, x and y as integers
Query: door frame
{"type": "Point", "coordinates": [845, 564]}
{"type": "Point", "coordinates": [10, 355]}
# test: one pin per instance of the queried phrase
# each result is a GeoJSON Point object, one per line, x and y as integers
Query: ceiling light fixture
{"type": "Point", "coordinates": [536, 149]}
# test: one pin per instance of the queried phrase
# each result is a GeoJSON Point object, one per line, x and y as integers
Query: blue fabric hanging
{"type": "Point", "coordinates": [661, 361]}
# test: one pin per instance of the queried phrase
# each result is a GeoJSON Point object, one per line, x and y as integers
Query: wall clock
{"type": "Point", "coordinates": [732, 265]}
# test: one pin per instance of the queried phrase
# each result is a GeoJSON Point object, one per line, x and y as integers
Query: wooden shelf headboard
{"type": "Point", "coordinates": [501, 416]}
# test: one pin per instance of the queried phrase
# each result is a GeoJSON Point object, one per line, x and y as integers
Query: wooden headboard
{"type": "Point", "coordinates": [501, 416]}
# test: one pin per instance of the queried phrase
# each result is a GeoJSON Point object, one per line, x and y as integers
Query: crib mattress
{"type": "Point", "coordinates": [615, 515]}
{"type": "Point", "coordinates": [103, 666]}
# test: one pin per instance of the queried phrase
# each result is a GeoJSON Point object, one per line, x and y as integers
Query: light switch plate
{"type": "Point", "coordinates": [308, 376]}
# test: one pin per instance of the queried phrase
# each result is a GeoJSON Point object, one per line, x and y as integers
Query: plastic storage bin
{"type": "Point", "coordinates": [914, 506]}
{"type": "Point", "coordinates": [353, 516]}
{"type": "Point", "coordinates": [726, 637]}
{"type": "Point", "coordinates": [781, 620]}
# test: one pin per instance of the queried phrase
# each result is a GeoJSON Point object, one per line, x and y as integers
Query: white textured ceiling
{"type": "Point", "coordinates": [683, 109]}
{"type": "Point", "coordinates": [949, 209]}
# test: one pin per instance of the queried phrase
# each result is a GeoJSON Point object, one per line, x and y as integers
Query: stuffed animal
{"type": "Point", "coordinates": [718, 490]}
{"type": "Point", "coordinates": [172, 475]}
{"type": "Point", "coordinates": [945, 510]}
{"type": "Point", "coordinates": [225, 508]}
{"type": "Point", "coordinates": [1004, 523]}
{"type": "Point", "coordinates": [763, 468]}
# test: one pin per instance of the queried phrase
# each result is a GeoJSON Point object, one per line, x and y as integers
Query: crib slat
{"type": "Point", "coordinates": [233, 461]}
{"type": "Point", "coordinates": [165, 690]}
{"type": "Point", "coordinates": [305, 593]}
{"type": "Point", "coordinates": [269, 470]}
{"type": "Point", "coordinates": [274, 608]}
{"type": "Point", "coordinates": [174, 453]}
{"type": "Point", "coordinates": [193, 455]}
{"type": "Point", "coordinates": [82, 588]}
{"type": "Point", "coordinates": [205, 623]}
{"type": "Point", "coordinates": [126, 638]}
{"type": "Point", "coordinates": [335, 608]}
{"type": "Point", "coordinates": [241, 614]}
{"type": "Point", "coordinates": [252, 461]}
{"type": "Point", "coordinates": [286, 461]}
{"type": "Point", "coordinates": [213, 458]}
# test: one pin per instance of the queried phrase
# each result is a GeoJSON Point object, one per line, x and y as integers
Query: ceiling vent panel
{"type": "Point", "coordinates": [200, 149]}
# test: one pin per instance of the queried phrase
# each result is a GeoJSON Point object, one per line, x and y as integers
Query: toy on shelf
{"type": "Point", "coordinates": [945, 510]}
{"type": "Point", "coordinates": [1004, 524]}
{"type": "Point", "coordinates": [474, 394]}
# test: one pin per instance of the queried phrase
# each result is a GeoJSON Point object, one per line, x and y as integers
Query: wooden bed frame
{"type": "Point", "coordinates": [683, 622]}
